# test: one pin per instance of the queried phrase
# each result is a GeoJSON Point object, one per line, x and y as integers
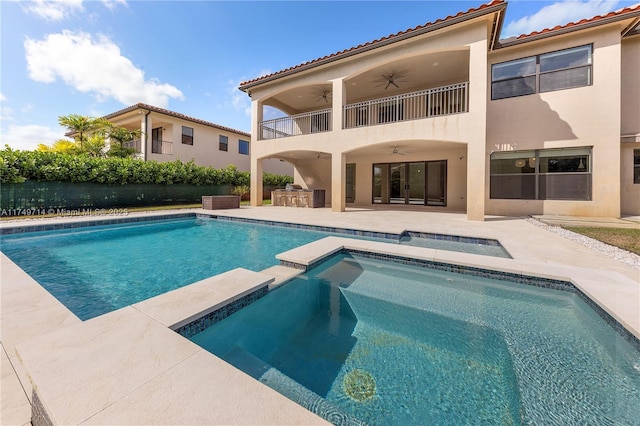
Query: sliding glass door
{"type": "Point", "coordinates": [416, 183]}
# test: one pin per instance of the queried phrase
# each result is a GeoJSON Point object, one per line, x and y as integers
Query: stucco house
{"type": "Point", "coordinates": [170, 136]}
{"type": "Point", "coordinates": [446, 116]}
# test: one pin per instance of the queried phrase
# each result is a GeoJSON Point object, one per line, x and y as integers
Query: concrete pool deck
{"type": "Point", "coordinates": [93, 371]}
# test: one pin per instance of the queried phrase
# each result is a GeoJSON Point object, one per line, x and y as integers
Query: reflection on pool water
{"type": "Point", "coordinates": [361, 340]}
{"type": "Point", "coordinates": [98, 269]}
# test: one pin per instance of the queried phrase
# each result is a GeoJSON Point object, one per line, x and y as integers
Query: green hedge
{"type": "Point", "coordinates": [20, 166]}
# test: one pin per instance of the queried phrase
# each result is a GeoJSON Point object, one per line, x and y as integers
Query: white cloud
{"type": "Point", "coordinates": [3, 98]}
{"type": "Point", "coordinates": [111, 4]}
{"type": "Point", "coordinates": [95, 66]}
{"type": "Point", "coordinates": [6, 113]}
{"type": "Point", "coordinates": [53, 10]}
{"type": "Point", "coordinates": [28, 137]}
{"type": "Point", "coordinates": [558, 13]}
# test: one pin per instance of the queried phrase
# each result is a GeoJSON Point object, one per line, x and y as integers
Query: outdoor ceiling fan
{"type": "Point", "coordinates": [323, 94]}
{"type": "Point", "coordinates": [392, 78]}
{"type": "Point", "coordinates": [396, 151]}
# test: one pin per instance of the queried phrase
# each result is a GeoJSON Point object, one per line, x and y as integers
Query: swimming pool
{"type": "Point", "coordinates": [365, 340]}
{"type": "Point", "coordinates": [98, 269]}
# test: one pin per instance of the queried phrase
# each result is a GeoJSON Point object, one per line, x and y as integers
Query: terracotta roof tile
{"type": "Point", "coordinates": [618, 13]}
{"type": "Point", "coordinates": [365, 46]}
{"type": "Point", "coordinates": [173, 114]}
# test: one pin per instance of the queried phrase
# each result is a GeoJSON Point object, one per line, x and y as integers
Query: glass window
{"type": "Point", "coordinates": [243, 147]}
{"type": "Point", "coordinates": [223, 144]}
{"type": "Point", "coordinates": [546, 72]}
{"type": "Point", "coordinates": [551, 174]}
{"type": "Point", "coordinates": [568, 58]}
{"type": "Point", "coordinates": [636, 166]}
{"type": "Point", "coordinates": [512, 69]}
{"type": "Point", "coordinates": [187, 135]}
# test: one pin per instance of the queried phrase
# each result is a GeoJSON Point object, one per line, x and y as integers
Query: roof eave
{"type": "Point", "coordinates": [381, 43]}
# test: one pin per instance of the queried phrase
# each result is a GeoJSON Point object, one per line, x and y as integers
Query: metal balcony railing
{"type": "Point", "coordinates": [294, 125]}
{"type": "Point", "coordinates": [135, 144]}
{"type": "Point", "coordinates": [157, 146]}
{"type": "Point", "coordinates": [453, 99]}
{"type": "Point", "coordinates": [445, 100]}
{"type": "Point", "coordinates": [161, 147]}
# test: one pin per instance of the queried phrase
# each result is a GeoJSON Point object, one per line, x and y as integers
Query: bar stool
{"type": "Point", "coordinates": [303, 200]}
{"type": "Point", "coordinates": [292, 199]}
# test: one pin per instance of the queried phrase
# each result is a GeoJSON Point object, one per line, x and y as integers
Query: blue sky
{"type": "Point", "coordinates": [96, 57]}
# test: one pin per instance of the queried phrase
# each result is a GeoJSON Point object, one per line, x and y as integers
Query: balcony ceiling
{"type": "Point", "coordinates": [413, 74]}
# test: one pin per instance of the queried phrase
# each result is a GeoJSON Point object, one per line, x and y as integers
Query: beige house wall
{"type": "Point", "coordinates": [205, 149]}
{"type": "Point", "coordinates": [438, 138]}
{"type": "Point", "coordinates": [597, 116]}
{"type": "Point", "coordinates": [579, 117]}
{"type": "Point", "coordinates": [630, 128]}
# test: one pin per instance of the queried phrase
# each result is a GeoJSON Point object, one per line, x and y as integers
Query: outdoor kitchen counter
{"type": "Point", "coordinates": [298, 197]}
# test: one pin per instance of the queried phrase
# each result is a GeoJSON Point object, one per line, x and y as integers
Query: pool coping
{"type": "Point", "coordinates": [52, 360]}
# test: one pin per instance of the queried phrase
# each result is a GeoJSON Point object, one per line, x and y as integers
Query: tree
{"type": "Point", "coordinates": [81, 125]}
{"type": "Point", "coordinates": [118, 137]}
{"type": "Point", "coordinates": [62, 146]}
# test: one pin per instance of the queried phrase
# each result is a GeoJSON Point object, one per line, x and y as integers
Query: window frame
{"type": "Point", "coordinates": [636, 166]}
{"type": "Point", "coordinates": [223, 143]}
{"type": "Point", "coordinates": [538, 73]}
{"type": "Point", "coordinates": [535, 182]}
{"type": "Point", "coordinates": [240, 144]}
{"type": "Point", "coordinates": [186, 138]}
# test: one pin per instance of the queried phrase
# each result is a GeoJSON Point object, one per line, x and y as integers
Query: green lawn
{"type": "Point", "coordinates": [624, 238]}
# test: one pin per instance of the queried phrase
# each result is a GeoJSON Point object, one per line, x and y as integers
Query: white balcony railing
{"type": "Point", "coordinates": [444, 100]}
{"type": "Point", "coordinates": [157, 146]}
{"type": "Point", "coordinates": [452, 99]}
{"type": "Point", "coordinates": [294, 125]}
{"type": "Point", "coordinates": [135, 144]}
{"type": "Point", "coordinates": [161, 147]}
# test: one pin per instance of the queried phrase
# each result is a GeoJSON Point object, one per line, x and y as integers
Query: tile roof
{"type": "Point", "coordinates": [486, 8]}
{"type": "Point", "coordinates": [624, 13]}
{"type": "Point", "coordinates": [172, 114]}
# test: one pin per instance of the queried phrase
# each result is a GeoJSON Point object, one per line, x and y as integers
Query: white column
{"type": "Point", "coordinates": [256, 164]}
{"type": "Point", "coordinates": [338, 176]}
{"type": "Point", "coordinates": [477, 147]}
{"type": "Point", "coordinates": [338, 159]}
{"type": "Point", "coordinates": [144, 117]}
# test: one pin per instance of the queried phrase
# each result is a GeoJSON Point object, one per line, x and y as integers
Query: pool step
{"type": "Point", "coordinates": [288, 387]}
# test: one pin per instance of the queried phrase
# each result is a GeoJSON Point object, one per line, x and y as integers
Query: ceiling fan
{"type": "Point", "coordinates": [392, 78]}
{"type": "Point", "coordinates": [322, 94]}
{"type": "Point", "coordinates": [396, 151]}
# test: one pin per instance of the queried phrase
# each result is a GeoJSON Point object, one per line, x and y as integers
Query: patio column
{"type": "Point", "coordinates": [145, 124]}
{"type": "Point", "coordinates": [477, 146]}
{"type": "Point", "coordinates": [256, 163]}
{"type": "Point", "coordinates": [338, 175]}
{"type": "Point", "coordinates": [337, 103]}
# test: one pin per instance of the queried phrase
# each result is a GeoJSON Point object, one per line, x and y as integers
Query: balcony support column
{"type": "Point", "coordinates": [337, 104]}
{"type": "Point", "coordinates": [476, 147]}
{"type": "Point", "coordinates": [338, 176]}
{"type": "Point", "coordinates": [256, 163]}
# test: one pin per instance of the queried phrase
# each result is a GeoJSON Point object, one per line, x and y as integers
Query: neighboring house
{"type": "Point", "coordinates": [170, 136]}
{"type": "Point", "coordinates": [448, 117]}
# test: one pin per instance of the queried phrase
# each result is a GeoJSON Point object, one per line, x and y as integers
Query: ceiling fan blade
{"type": "Point", "coordinates": [394, 83]}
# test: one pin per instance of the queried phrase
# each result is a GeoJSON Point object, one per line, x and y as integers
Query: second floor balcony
{"type": "Point", "coordinates": [439, 101]}
{"type": "Point", "coordinates": [157, 146]}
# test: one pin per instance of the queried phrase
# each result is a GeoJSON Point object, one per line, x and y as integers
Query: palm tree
{"type": "Point", "coordinates": [120, 135]}
{"type": "Point", "coordinates": [80, 124]}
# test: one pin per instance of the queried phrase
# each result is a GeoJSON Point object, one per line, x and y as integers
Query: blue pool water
{"type": "Point", "coordinates": [99, 269]}
{"type": "Point", "coordinates": [367, 341]}
{"type": "Point", "coordinates": [95, 270]}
